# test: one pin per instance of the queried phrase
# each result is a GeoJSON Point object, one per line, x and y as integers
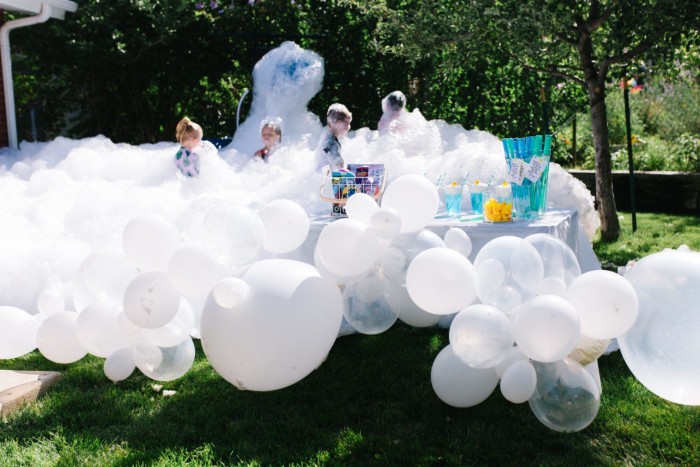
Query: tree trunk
{"type": "Point", "coordinates": [605, 198]}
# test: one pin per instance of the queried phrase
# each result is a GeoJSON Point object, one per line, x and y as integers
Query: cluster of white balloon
{"type": "Point", "coordinates": [524, 315]}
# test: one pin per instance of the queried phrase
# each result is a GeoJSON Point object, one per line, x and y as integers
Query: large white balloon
{"type": "Point", "coordinates": [662, 348]}
{"type": "Point", "coordinates": [57, 338]}
{"type": "Point", "coordinates": [547, 329]}
{"type": "Point", "coordinates": [518, 382]}
{"type": "Point", "coordinates": [566, 396]}
{"type": "Point", "coordinates": [415, 199]}
{"type": "Point", "coordinates": [286, 225]}
{"type": "Point", "coordinates": [149, 240]}
{"type": "Point", "coordinates": [460, 385]}
{"type": "Point", "coordinates": [338, 279]}
{"type": "Point", "coordinates": [409, 245]}
{"type": "Point", "coordinates": [372, 304]}
{"type": "Point", "coordinates": [236, 234]}
{"type": "Point", "coordinates": [98, 330]}
{"type": "Point", "coordinates": [347, 247]}
{"type": "Point", "coordinates": [606, 303]}
{"type": "Point", "coordinates": [280, 333]}
{"type": "Point", "coordinates": [230, 292]}
{"type": "Point", "coordinates": [18, 331]}
{"type": "Point", "coordinates": [385, 222]}
{"type": "Point", "coordinates": [441, 281]}
{"type": "Point", "coordinates": [481, 336]}
{"type": "Point", "coordinates": [150, 301]}
{"type": "Point", "coordinates": [193, 271]}
{"type": "Point", "coordinates": [509, 271]}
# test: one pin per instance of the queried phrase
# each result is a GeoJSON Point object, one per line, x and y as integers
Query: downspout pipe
{"type": "Point", "coordinates": [6, 57]}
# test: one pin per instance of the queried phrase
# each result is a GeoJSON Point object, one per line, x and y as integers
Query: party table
{"type": "Point", "coordinates": [562, 224]}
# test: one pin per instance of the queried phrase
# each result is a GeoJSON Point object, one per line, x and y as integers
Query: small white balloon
{"type": "Point", "coordinates": [230, 292]}
{"type": "Point", "coordinates": [514, 355]}
{"type": "Point", "coordinates": [347, 247]}
{"type": "Point", "coordinates": [458, 240]}
{"type": "Point", "coordinates": [286, 225]}
{"type": "Point", "coordinates": [606, 303]}
{"type": "Point", "coordinates": [415, 199]}
{"type": "Point", "coordinates": [518, 382]}
{"type": "Point", "coordinates": [119, 365]}
{"type": "Point", "coordinates": [372, 305]}
{"type": "Point", "coordinates": [361, 207]}
{"type": "Point", "coordinates": [150, 301]}
{"type": "Point", "coordinates": [98, 330]}
{"type": "Point", "coordinates": [57, 338]}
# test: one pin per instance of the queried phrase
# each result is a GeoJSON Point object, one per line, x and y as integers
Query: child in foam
{"type": "Point", "coordinates": [192, 148]}
{"type": "Point", "coordinates": [394, 116]}
{"type": "Point", "coordinates": [328, 150]}
{"type": "Point", "coordinates": [271, 134]}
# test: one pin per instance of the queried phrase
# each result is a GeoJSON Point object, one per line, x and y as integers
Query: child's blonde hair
{"type": "Point", "coordinates": [187, 129]}
{"type": "Point", "coordinates": [274, 123]}
{"type": "Point", "coordinates": [338, 112]}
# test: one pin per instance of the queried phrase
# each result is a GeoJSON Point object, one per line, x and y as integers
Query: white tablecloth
{"type": "Point", "coordinates": [562, 224]}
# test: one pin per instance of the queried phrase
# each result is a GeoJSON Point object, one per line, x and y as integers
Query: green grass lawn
{"type": "Point", "coordinates": [370, 403]}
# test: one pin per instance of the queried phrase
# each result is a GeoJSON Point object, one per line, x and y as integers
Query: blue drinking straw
{"type": "Point", "coordinates": [547, 151]}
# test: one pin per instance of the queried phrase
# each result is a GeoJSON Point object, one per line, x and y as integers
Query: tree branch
{"type": "Point", "coordinates": [594, 23]}
{"type": "Point", "coordinates": [633, 52]}
{"type": "Point", "coordinates": [554, 71]}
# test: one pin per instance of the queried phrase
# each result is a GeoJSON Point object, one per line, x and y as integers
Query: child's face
{"type": "Point", "coordinates": [190, 143]}
{"type": "Point", "coordinates": [269, 137]}
{"type": "Point", "coordinates": [340, 127]}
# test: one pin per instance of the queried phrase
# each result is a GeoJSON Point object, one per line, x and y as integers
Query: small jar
{"type": "Point", "coordinates": [499, 205]}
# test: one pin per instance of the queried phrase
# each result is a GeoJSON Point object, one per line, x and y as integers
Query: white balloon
{"type": "Point", "coordinates": [361, 207]}
{"type": "Point", "coordinates": [662, 348]}
{"type": "Point", "coordinates": [150, 301]}
{"type": "Point", "coordinates": [566, 396]}
{"type": "Point", "coordinates": [412, 314]}
{"type": "Point", "coordinates": [57, 338]}
{"type": "Point", "coordinates": [236, 234]}
{"type": "Point", "coordinates": [481, 336]}
{"type": "Point", "coordinates": [410, 244]}
{"type": "Point", "coordinates": [509, 271]}
{"type": "Point", "coordinates": [558, 258]}
{"type": "Point", "coordinates": [518, 382]}
{"type": "Point", "coordinates": [415, 199]}
{"type": "Point", "coordinates": [347, 247]}
{"type": "Point", "coordinates": [119, 365]}
{"type": "Point", "coordinates": [385, 222]}
{"type": "Point", "coordinates": [50, 302]}
{"type": "Point", "coordinates": [460, 385]}
{"type": "Point", "coordinates": [98, 330]}
{"type": "Point", "coordinates": [125, 325]}
{"type": "Point", "coordinates": [606, 303]}
{"type": "Point", "coordinates": [169, 335]}
{"type": "Point", "coordinates": [441, 281]}
{"type": "Point", "coordinates": [149, 240]}
{"type": "Point", "coordinates": [458, 240]}
{"type": "Point", "coordinates": [547, 329]}
{"type": "Point", "coordinates": [230, 292]}
{"type": "Point", "coordinates": [286, 225]}
{"type": "Point", "coordinates": [281, 332]}
{"type": "Point", "coordinates": [513, 355]}
{"type": "Point", "coordinates": [336, 278]}
{"type": "Point", "coordinates": [80, 293]}
{"type": "Point", "coordinates": [194, 271]}
{"type": "Point", "coordinates": [163, 363]}
{"type": "Point", "coordinates": [372, 305]}
{"type": "Point", "coordinates": [392, 261]}
{"type": "Point", "coordinates": [18, 330]}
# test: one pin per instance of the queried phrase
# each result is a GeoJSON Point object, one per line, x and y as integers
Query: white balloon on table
{"type": "Point", "coordinates": [347, 247]}
{"type": "Point", "coordinates": [560, 263]}
{"type": "Point", "coordinates": [458, 240]}
{"type": "Point", "coordinates": [385, 222]}
{"type": "Point", "coordinates": [415, 199]}
{"type": "Point", "coordinates": [361, 207]}
{"type": "Point", "coordinates": [481, 336]}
